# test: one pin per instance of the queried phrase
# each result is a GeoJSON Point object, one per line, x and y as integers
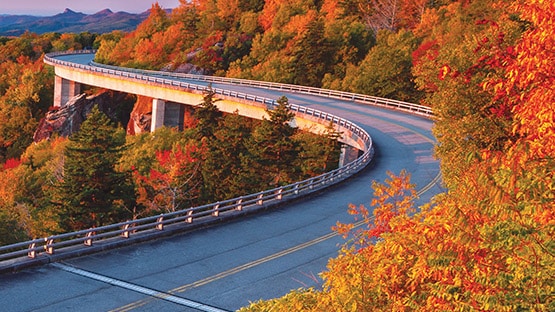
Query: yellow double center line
{"type": "Point", "coordinates": [229, 272]}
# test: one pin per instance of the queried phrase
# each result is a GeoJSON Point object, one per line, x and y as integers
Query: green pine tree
{"type": "Point", "coordinates": [93, 193]}
{"type": "Point", "coordinates": [318, 153]}
{"type": "Point", "coordinates": [222, 170]}
{"type": "Point", "coordinates": [273, 147]}
{"type": "Point", "coordinates": [208, 115]}
{"type": "Point", "coordinates": [312, 56]}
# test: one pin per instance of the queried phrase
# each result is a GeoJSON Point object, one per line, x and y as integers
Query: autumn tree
{"type": "Point", "coordinates": [173, 183]}
{"type": "Point", "coordinates": [391, 15]}
{"type": "Point", "coordinates": [92, 192]}
{"type": "Point", "coordinates": [43, 164]}
{"type": "Point", "coordinates": [451, 69]}
{"type": "Point", "coordinates": [26, 200]}
{"type": "Point", "coordinates": [106, 45]}
{"type": "Point", "coordinates": [487, 244]}
{"type": "Point", "coordinates": [68, 41]}
{"type": "Point", "coordinates": [271, 58]}
{"type": "Point", "coordinates": [148, 47]}
{"type": "Point", "coordinates": [350, 40]}
{"type": "Point", "coordinates": [160, 161]}
{"type": "Point", "coordinates": [141, 149]}
{"type": "Point", "coordinates": [13, 215]}
{"type": "Point", "coordinates": [520, 178]}
{"type": "Point", "coordinates": [25, 95]}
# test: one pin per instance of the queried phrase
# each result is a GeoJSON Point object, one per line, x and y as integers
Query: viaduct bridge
{"type": "Point", "coordinates": [223, 267]}
{"type": "Point", "coordinates": [170, 95]}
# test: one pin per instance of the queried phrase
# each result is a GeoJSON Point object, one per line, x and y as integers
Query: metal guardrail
{"type": "Point", "coordinates": [361, 98]}
{"type": "Point", "coordinates": [44, 250]}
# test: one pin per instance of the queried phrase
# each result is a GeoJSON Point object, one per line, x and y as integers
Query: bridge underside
{"type": "Point", "coordinates": [168, 101]}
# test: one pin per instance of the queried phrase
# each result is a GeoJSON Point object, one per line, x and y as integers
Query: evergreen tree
{"type": "Point", "coordinates": [318, 153]}
{"type": "Point", "coordinates": [312, 56]}
{"type": "Point", "coordinates": [273, 147]}
{"type": "Point", "coordinates": [386, 69]}
{"type": "Point", "coordinates": [208, 115]}
{"type": "Point", "coordinates": [223, 171]}
{"type": "Point", "coordinates": [92, 193]}
{"type": "Point", "coordinates": [10, 231]}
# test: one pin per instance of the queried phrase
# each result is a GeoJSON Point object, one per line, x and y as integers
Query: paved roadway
{"type": "Point", "coordinates": [227, 266]}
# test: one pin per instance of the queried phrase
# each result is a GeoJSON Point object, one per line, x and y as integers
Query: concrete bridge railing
{"type": "Point", "coordinates": [57, 247]}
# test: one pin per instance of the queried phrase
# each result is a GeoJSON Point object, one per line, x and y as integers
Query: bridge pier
{"type": "Point", "coordinates": [158, 114]}
{"type": "Point", "coordinates": [348, 154]}
{"type": "Point", "coordinates": [64, 90]}
{"type": "Point", "coordinates": [166, 114]}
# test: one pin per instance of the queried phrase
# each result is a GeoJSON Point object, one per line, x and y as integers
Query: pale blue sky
{"type": "Point", "coordinates": [52, 7]}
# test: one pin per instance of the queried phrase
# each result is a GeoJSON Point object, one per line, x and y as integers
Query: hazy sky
{"type": "Point", "coordinates": [51, 7]}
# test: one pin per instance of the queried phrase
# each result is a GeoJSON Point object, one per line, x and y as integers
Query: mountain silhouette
{"type": "Point", "coordinates": [70, 21]}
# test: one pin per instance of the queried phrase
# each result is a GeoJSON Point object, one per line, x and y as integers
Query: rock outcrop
{"type": "Point", "coordinates": [67, 119]}
{"type": "Point", "coordinates": [141, 116]}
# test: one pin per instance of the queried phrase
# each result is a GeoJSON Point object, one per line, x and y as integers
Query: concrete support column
{"type": "Point", "coordinates": [173, 116]}
{"type": "Point", "coordinates": [158, 112]}
{"type": "Point", "coordinates": [343, 156]}
{"type": "Point", "coordinates": [348, 154]}
{"type": "Point", "coordinates": [64, 90]}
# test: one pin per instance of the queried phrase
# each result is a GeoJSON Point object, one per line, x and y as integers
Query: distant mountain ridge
{"type": "Point", "coordinates": [71, 22]}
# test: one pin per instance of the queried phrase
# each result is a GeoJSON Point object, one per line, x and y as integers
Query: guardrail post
{"type": "Point", "coordinates": [88, 241]}
{"type": "Point", "coordinates": [215, 211]}
{"type": "Point", "coordinates": [239, 204]}
{"type": "Point", "coordinates": [159, 224]}
{"type": "Point", "coordinates": [279, 196]}
{"type": "Point", "coordinates": [125, 234]}
{"type": "Point", "coordinates": [48, 247]}
{"type": "Point", "coordinates": [32, 253]}
{"type": "Point", "coordinates": [189, 216]}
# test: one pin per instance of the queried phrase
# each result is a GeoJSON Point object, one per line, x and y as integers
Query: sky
{"type": "Point", "coordinates": [52, 7]}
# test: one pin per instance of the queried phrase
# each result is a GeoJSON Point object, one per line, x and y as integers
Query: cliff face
{"type": "Point", "coordinates": [141, 116]}
{"type": "Point", "coordinates": [66, 120]}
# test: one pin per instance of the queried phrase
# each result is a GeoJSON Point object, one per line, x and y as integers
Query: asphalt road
{"type": "Point", "coordinates": [225, 267]}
